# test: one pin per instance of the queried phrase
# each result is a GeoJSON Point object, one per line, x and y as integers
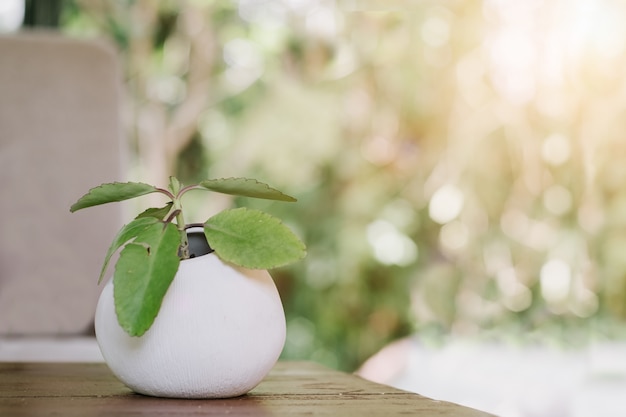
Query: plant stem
{"type": "Point", "coordinates": [180, 223]}
{"type": "Point", "coordinates": [186, 188]}
{"type": "Point", "coordinates": [184, 242]}
{"type": "Point", "coordinates": [166, 192]}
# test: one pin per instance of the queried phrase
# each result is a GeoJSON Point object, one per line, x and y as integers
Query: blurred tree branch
{"type": "Point", "coordinates": [163, 129]}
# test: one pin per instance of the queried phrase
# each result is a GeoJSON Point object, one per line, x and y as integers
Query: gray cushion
{"type": "Point", "coordinates": [60, 134]}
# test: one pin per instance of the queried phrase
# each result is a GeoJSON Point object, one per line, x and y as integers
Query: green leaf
{"type": "Point", "coordinates": [157, 213]}
{"type": "Point", "coordinates": [174, 185]}
{"type": "Point", "coordinates": [245, 187]}
{"type": "Point", "coordinates": [143, 274]}
{"type": "Point", "coordinates": [128, 232]}
{"type": "Point", "coordinates": [112, 192]}
{"type": "Point", "coordinates": [252, 239]}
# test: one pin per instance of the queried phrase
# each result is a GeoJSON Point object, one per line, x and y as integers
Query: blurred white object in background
{"type": "Point", "coordinates": [508, 380]}
{"type": "Point", "coordinates": [50, 349]}
{"type": "Point", "coordinates": [11, 15]}
{"type": "Point", "coordinates": [60, 134]}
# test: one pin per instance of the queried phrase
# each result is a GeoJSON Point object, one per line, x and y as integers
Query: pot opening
{"type": "Point", "coordinates": [198, 244]}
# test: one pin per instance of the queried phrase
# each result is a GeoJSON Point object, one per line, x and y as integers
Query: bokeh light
{"type": "Point", "coordinates": [458, 165]}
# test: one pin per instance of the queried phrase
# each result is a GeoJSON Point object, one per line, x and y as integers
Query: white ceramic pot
{"type": "Point", "coordinates": [218, 333]}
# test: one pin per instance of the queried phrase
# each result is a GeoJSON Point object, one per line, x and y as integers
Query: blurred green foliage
{"type": "Point", "coordinates": [459, 165]}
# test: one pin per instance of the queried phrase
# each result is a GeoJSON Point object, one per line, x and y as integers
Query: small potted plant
{"type": "Point", "coordinates": [191, 311]}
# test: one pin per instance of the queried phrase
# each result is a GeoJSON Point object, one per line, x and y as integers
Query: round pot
{"type": "Point", "coordinates": [218, 333]}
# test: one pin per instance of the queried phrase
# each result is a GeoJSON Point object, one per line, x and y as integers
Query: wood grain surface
{"type": "Point", "coordinates": [291, 389]}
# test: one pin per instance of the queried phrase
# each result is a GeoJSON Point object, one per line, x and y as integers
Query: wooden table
{"type": "Point", "coordinates": [291, 389]}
